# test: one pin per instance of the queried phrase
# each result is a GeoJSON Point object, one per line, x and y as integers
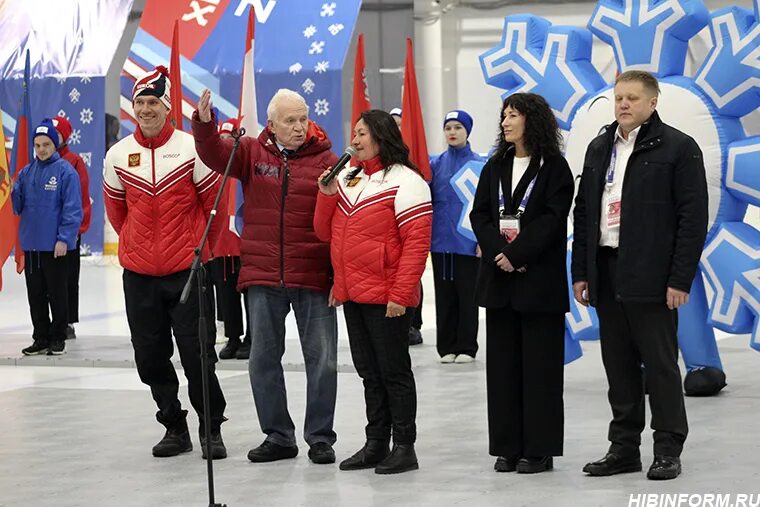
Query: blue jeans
{"type": "Point", "coordinates": [318, 331]}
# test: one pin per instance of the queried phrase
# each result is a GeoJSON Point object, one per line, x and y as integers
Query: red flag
{"type": "Point", "coordinates": [247, 114]}
{"type": "Point", "coordinates": [175, 77]}
{"type": "Point", "coordinates": [360, 101]}
{"type": "Point", "coordinates": [8, 221]}
{"type": "Point", "coordinates": [412, 126]}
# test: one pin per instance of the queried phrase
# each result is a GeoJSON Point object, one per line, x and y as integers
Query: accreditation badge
{"type": "Point", "coordinates": [613, 211]}
{"type": "Point", "coordinates": [509, 225]}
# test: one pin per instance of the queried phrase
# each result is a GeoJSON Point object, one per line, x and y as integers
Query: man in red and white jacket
{"type": "Point", "coordinates": [158, 196]}
{"type": "Point", "coordinates": [64, 129]}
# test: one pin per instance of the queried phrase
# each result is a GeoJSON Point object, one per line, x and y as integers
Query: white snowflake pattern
{"type": "Point", "coordinates": [85, 116]}
{"type": "Point", "coordinates": [74, 95]}
{"type": "Point", "coordinates": [295, 68]}
{"type": "Point", "coordinates": [75, 137]}
{"type": "Point", "coordinates": [88, 79]}
{"type": "Point", "coordinates": [328, 9]}
{"type": "Point", "coordinates": [321, 107]}
{"type": "Point", "coordinates": [321, 67]}
{"type": "Point", "coordinates": [317, 47]}
{"type": "Point", "coordinates": [308, 86]}
{"type": "Point", "coordinates": [335, 28]}
{"type": "Point", "coordinates": [86, 157]}
{"type": "Point", "coordinates": [60, 79]}
{"type": "Point", "coordinates": [62, 113]}
{"type": "Point", "coordinates": [309, 31]}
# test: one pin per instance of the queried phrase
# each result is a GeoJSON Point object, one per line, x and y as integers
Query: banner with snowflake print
{"type": "Point", "coordinates": [299, 45]}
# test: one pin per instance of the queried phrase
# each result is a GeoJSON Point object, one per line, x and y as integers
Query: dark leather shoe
{"type": "Point", "coordinates": [401, 459]}
{"type": "Point", "coordinates": [505, 464]}
{"type": "Point", "coordinates": [373, 452]}
{"type": "Point", "coordinates": [229, 351]}
{"type": "Point", "coordinates": [269, 451]}
{"type": "Point", "coordinates": [415, 336]}
{"type": "Point", "coordinates": [218, 450]}
{"type": "Point", "coordinates": [533, 465]}
{"type": "Point", "coordinates": [612, 464]}
{"type": "Point", "coordinates": [321, 453]}
{"type": "Point", "coordinates": [664, 468]}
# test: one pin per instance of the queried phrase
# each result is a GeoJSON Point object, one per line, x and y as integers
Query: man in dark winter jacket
{"type": "Point", "coordinates": [47, 197]}
{"type": "Point", "coordinates": [640, 225]}
{"type": "Point", "coordinates": [284, 265]}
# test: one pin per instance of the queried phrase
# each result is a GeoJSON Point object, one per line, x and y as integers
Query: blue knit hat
{"type": "Point", "coordinates": [460, 116]}
{"type": "Point", "coordinates": [46, 128]}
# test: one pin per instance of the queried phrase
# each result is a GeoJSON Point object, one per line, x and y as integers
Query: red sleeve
{"type": "Point", "coordinates": [323, 215]}
{"type": "Point", "coordinates": [84, 182]}
{"type": "Point", "coordinates": [415, 245]}
{"type": "Point", "coordinates": [114, 195]}
{"type": "Point", "coordinates": [215, 151]}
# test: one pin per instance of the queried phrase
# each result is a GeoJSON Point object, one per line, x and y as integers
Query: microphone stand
{"type": "Point", "coordinates": [198, 272]}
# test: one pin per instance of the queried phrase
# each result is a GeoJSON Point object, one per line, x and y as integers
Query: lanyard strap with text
{"type": "Point", "coordinates": [523, 203]}
{"type": "Point", "coordinates": [611, 168]}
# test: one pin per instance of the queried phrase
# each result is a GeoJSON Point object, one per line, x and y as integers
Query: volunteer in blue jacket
{"type": "Point", "coordinates": [455, 257]}
{"type": "Point", "coordinates": [47, 197]}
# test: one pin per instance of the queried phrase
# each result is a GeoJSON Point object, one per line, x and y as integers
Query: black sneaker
{"type": "Point", "coordinates": [57, 348]}
{"type": "Point", "coordinates": [229, 351]}
{"type": "Point", "coordinates": [415, 336]}
{"type": "Point", "coordinates": [269, 451]}
{"type": "Point", "coordinates": [321, 453]}
{"type": "Point", "coordinates": [218, 450]}
{"type": "Point", "coordinates": [70, 332]}
{"type": "Point", "coordinates": [244, 352]}
{"type": "Point", "coordinates": [35, 349]}
{"type": "Point", "coordinates": [175, 441]}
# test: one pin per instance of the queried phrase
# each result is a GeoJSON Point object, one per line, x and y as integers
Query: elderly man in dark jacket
{"type": "Point", "coordinates": [284, 265]}
{"type": "Point", "coordinates": [640, 225]}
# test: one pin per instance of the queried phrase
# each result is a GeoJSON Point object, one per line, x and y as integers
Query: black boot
{"type": "Point", "coordinates": [218, 450]}
{"type": "Point", "coordinates": [229, 351]}
{"type": "Point", "coordinates": [176, 439]}
{"type": "Point", "coordinates": [373, 452]}
{"type": "Point", "coordinates": [401, 459]}
{"type": "Point", "coordinates": [244, 352]}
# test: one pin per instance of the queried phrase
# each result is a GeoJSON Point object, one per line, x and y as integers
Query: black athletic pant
{"type": "Point", "coordinates": [456, 313]}
{"type": "Point", "coordinates": [73, 282]}
{"type": "Point", "coordinates": [224, 273]}
{"type": "Point", "coordinates": [47, 291]}
{"type": "Point", "coordinates": [154, 312]}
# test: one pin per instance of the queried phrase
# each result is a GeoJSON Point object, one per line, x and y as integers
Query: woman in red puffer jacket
{"type": "Point", "coordinates": [378, 218]}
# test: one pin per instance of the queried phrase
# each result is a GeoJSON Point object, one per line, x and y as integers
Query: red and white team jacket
{"type": "Point", "coordinates": [158, 195]}
{"type": "Point", "coordinates": [379, 228]}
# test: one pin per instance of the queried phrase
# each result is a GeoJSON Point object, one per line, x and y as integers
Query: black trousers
{"type": "Point", "coordinates": [456, 314]}
{"type": "Point", "coordinates": [524, 372]}
{"type": "Point", "coordinates": [154, 312]}
{"type": "Point", "coordinates": [415, 314]}
{"type": "Point", "coordinates": [380, 351]}
{"type": "Point", "coordinates": [224, 272]}
{"type": "Point", "coordinates": [633, 334]}
{"type": "Point", "coordinates": [47, 292]}
{"type": "Point", "coordinates": [74, 263]}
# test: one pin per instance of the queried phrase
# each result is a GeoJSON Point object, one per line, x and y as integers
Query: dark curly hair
{"type": "Point", "coordinates": [384, 131]}
{"type": "Point", "coordinates": [542, 136]}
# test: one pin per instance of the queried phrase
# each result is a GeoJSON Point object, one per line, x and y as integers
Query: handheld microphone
{"type": "Point", "coordinates": [350, 152]}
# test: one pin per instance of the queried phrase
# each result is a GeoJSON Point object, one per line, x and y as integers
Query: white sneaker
{"type": "Point", "coordinates": [220, 338]}
{"type": "Point", "coordinates": [448, 358]}
{"type": "Point", "coordinates": [464, 358]}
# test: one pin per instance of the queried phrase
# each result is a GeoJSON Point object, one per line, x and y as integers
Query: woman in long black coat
{"type": "Point", "coordinates": [520, 219]}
